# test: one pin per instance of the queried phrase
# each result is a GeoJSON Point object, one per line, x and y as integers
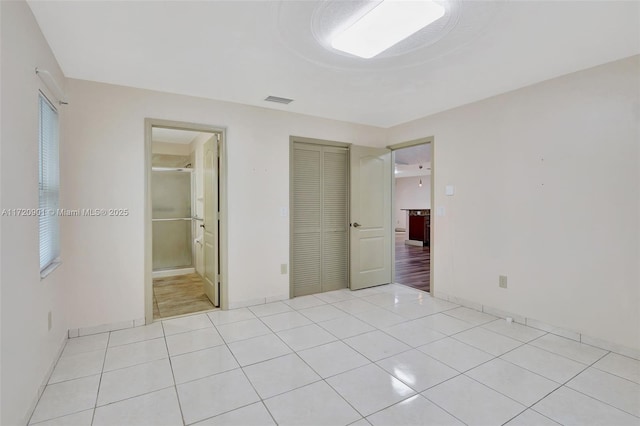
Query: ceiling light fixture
{"type": "Point", "coordinates": [387, 24]}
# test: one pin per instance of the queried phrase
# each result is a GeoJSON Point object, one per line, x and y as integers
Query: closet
{"type": "Point", "coordinates": [319, 218]}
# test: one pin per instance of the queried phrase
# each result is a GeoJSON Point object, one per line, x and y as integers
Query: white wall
{"type": "Point", "coordinates": [547, 192]}
{"type": "Point", "coordinates": [410, 195]}
{"type": "Point", "coordinates": [28, 348]}
{"type": "Point", "coordinates": [106, 128]}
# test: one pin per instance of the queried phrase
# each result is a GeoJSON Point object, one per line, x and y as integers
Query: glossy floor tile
{"type": "Point", "coordinates": [157, 408]}
{"type": "Point", "coordinates": [472, 402]}
{"type": "Point", "coordinates": [388, 355]}
{"type": "Point", "coordinates": [369, 389]}
{"type": "Point", "coordinates": [413, 411]}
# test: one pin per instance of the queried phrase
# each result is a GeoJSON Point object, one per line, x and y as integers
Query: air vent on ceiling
{"type": "Point", "coordinates": [278, 100]}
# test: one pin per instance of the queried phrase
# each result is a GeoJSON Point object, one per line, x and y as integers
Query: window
{"type": "Point", "coordinates": [49, 187]}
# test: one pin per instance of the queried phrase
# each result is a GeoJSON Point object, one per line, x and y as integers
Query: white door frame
{"type": "Point", "coordinates": [149, 123]}
{"type": "Point", "coordinates": [393, 148]}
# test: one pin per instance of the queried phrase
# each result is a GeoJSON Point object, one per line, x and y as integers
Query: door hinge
{"type": "Point", "coordinates": [218, 137]}
{"type": "Point", "coordinates": [218, 278]}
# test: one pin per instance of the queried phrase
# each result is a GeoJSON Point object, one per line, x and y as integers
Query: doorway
{"type": "Point", "coordinates": [340, 224]}
{"type": "Point", "coordinates": [185, 227]}
{"type": "Point", "coordinates": [412, 206]}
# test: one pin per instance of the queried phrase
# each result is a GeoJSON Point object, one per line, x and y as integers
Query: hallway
{"type": "Point", "coordinates": [412, 264]}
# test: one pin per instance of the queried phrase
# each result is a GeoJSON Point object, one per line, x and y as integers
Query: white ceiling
{"type": "Point", "coordinates": [418, 154]}
{"type": "Point", "coordinates": [242, 51]}
{"type": "Point", "coordinates": [408, 161]}
{"type": "Point", "coordinates": [183, 137]}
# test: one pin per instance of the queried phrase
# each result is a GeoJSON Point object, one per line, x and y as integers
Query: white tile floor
{"type": "Point", "coordinates": [390, 355]}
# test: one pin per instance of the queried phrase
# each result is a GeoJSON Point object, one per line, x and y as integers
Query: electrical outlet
{"type": "Point", "coordinates": [283, 269]}
{"type": "Point", "coordinates": [502, 281]}
{"type": "Point", "coordinates": [50, 321]}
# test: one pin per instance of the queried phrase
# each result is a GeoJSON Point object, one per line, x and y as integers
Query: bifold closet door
{"type": "Point", "coordinates": [319, 255]}
{"type": "Point", "coordinates": [335, 253]}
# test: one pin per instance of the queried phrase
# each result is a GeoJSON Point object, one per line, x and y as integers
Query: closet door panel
{"type": "Point", "coordinates": [306, 248]}
{"type": "Point", "coordinates": [335, 262]}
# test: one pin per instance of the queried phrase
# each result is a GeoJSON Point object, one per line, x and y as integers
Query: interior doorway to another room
{"type": "Point", "coordinates": [340, 222]}
{"type": "Point", "coordinates": [412, 215]}
{"type": "Point", "coordinates": [183, 259]}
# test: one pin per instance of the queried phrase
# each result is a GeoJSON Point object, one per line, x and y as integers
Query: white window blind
{"type": "Point", "coordinates": [49, 185]}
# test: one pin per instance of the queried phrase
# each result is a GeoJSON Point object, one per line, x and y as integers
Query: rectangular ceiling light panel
{"type": "Point", "coordinates": [387, 24]}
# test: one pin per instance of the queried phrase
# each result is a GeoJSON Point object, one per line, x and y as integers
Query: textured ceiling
{"type": "Point", "coordinates": [242, 51]}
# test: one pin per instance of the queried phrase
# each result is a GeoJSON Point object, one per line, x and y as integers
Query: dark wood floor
{"type": "Point", "coordinates": [412, 264]}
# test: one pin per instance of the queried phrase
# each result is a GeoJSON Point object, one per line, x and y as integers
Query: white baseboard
{"type": "Point", "coordinates": [96, 329]}
{"type": "Point", "coordinates": [531, 322]}
{"type": "Point", "coordinates": [172, 272]}
{"type": "Point", "coordinates": [259, 301]}
{"type": "Point", "coordinates": [43, 385]}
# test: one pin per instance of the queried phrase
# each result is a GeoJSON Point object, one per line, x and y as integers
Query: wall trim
{"type": "Point", "coordinates": [259, 301]}
{"type": "Point", "coordinates": [45, 380]}
{"type": "Point", "coordinates": [103, 328]}
{"type": "Point", "coordinates": [173, 272]}
{"type": "Point", "coordinates": [540, 325]}
{"type": "Point", "coordinates": [530, 322]}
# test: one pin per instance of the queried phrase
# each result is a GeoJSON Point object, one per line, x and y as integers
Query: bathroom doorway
{"type": "Point", "coordinates": [184, 231]}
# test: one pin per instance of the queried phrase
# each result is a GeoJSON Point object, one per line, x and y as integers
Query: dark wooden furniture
{"type": "Point", "coordinates": [419, 226]}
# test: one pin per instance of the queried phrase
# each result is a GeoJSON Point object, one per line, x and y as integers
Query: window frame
{"type": "Point", "coordinates": [48, 186]}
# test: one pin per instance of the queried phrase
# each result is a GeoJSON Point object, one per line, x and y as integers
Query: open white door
{"type": "Point", "coordinates": [211, 281]}
{"type": "Point", "coordinates": [370, 204]}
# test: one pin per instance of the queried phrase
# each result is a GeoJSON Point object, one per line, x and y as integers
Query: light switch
{"type": "Point", "coordinates": [440, 211]}
{"type": "Point", "coordinates": [283, 211]}
{"type": "Point", "coordinates": [449, 190]}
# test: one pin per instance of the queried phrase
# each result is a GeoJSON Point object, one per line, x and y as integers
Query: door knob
{"type": "Point", "coordinates": [356, 225]}
{"type": "Point", "coordinates": [202, 225]}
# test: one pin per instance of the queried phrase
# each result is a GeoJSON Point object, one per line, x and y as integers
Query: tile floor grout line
{"type": "Point", "coordinates": [565, 384]}
{"type": "Point", "coordinates": [517, 415]}
{"type": "Point", "coordinates": [371, 362]}
{"type": "Point", "coordinates": [133, 343]}
{"type": "Point", "coordinates": [344, 398]}
{"type": "Point", "coordinates": [561, 355]}
{"type": "Point", "coordinates": [104, 361]}
{"type": "Point", "coordinates": [510, 397]}
{"type": "Point", "coordinates": [47, 384]}
{"type": "Point", "coordinates": [531, 371]}
{"type": "Point", "coordinates": [252, 386]}
{"type": "Point", "coordinates": [173, 376]}
{"type": "Point", "coordinates": [134, 396]}
{"type": "Point", "coordinates": [405, 320]}
{"type": "Point", "coordinates": [499, 392]}
{"type": "Point", "coordinates": [544, 415]}
{"type": "Point", "coordinates": [614, 374]}
{"type": "Point", "coordinates": [442, 408]}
